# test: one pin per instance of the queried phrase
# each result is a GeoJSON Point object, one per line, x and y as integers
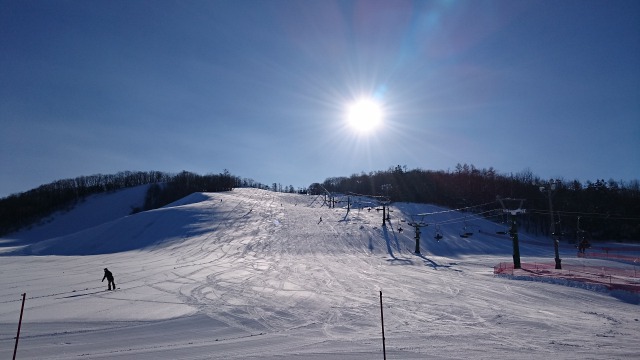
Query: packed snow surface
{"type": "Point", "coordinates": [253, 274]}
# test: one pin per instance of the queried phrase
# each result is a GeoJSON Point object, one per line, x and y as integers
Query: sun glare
{"type": "Point", "coordinates": [364, 115]}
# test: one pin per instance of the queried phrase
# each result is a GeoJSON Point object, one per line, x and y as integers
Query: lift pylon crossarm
{"type": "Point", "coordinates": [516, 211]}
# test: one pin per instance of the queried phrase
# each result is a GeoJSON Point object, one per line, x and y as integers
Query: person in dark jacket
{"type": "Point", "coordinates": [109, 276]}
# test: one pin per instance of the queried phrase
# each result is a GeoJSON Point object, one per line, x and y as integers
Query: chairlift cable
{"type": "Point", "coordinates": [583, 214]}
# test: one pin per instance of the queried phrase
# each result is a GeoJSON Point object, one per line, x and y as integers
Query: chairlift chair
{"type": "Point", "coordinates": [503, 224]}
{"type": "Point", "coordinates": [465, 233]}
{"type": "Point", "coordinates": [438, 235]}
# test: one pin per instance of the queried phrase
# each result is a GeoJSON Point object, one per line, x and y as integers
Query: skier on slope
{"type": "Point", "coordinates": [109, 276]}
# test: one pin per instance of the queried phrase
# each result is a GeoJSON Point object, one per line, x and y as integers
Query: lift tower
{"type": "Point", "coordinates": [513, 232]}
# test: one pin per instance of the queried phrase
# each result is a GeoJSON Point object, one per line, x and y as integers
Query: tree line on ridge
{"type": "Point", "coordinates": [600, 210]}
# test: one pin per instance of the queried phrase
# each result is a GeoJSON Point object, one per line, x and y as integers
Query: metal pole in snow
{"type": "Point", "coordinates": [553, 229]}
{"type": "Point", "coordinates": [384, 351]}
{"type": "Point", "coordinates": [417, 239]}
{"type": "Point", "coordinates": [516, 247]}
{"type": "Point", "coordinates": [15, 349]}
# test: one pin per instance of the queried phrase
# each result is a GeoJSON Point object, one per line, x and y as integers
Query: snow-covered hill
{"type": "Point", "coordinates": [256, 274]}
{"type": "Point", "coordinates": [93, 211]}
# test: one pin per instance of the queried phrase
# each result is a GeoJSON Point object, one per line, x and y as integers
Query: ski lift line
{"type": "Point", "coordinates": [590, 215]}
{"type": "Point", "coordinates": [376, 197]}
{"type": "Point", "coordinates": [452, 210]}
{"type": "Point", "coordinates": [449, 222]}
{"type": "Point", "coordinates": [459, 220]}
{"type": "Point", "coordinates": [325, 190]}
{"type": "Point", "coordinates": [473, 217]}
{"type": "Point", "coordinates": [364, 195]}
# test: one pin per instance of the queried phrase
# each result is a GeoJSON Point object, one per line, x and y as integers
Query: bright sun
{"type": "Point", "coordinates": [364, 115]}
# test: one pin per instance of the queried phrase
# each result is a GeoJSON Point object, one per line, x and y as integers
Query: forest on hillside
{"type": "Point", "coordinates": [600, 210]}
{"type": "Point", "coordinates": [24, 209]}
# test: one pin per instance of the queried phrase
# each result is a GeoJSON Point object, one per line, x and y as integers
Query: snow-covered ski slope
{"type": "Point", "coordinates": [252, 274]}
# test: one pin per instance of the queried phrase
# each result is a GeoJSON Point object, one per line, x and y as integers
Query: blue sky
{"type": "Point", "coordinates": [261, 88]}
